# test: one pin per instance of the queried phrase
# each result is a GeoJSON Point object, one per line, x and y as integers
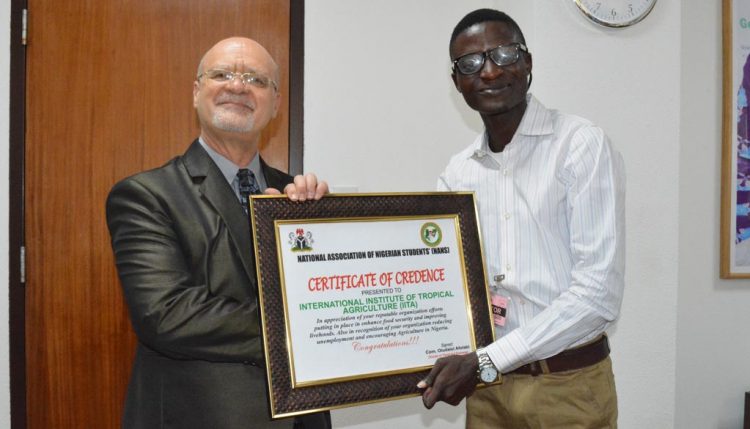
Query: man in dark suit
{"type": "Point", "coordinates": [182, 245]}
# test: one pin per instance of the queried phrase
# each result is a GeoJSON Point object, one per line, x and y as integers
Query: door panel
{"type": "Point", "coordinates": [109, 93]}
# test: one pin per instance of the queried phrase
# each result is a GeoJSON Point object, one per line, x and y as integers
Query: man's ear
{"type": "Point", "coordinates": [529, 66]}
{"type": "Point", "coordinates": [455, 81]}
{"type": "Point", "coordinates": [195, 93]}
{"type": "Point", "coordinates": [276, 104]}
{"type": "Point", "coordinates": [529, 62]}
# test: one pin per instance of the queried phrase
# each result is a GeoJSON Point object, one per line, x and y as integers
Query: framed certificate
{"type": "Point", "coordinates": [360, 294]}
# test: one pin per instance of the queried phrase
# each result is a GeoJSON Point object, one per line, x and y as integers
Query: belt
{"type": "Point", "coordinates": [576, 358]}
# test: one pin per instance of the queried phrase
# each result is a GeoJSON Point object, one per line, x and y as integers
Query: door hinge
{"type": "Point", "coordinates": [22, 265]}
{"type": "Point", "coordinates": [24, 25]}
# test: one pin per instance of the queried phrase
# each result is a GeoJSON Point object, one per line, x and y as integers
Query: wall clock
{"type": "Point", "coordinates": [615, 13]}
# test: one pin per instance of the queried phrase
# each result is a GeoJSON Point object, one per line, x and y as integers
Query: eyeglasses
{"type": "Point", "coordinates": [248, 78]}
{"type": "Point", "coordinates": [503, 55]}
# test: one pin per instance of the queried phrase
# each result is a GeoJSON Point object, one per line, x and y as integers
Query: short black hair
{"type": "Point", "coordinates": [483, 15]}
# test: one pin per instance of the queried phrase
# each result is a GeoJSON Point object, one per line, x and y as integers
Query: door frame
{"type": "Point", "coordinates": [17, 131]}
{"type": "Point", "coordinates": [16, 285]}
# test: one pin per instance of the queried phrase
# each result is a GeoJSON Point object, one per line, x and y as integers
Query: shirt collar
{"type": "Point", "coordinates": [229, 169]}
{"type": "Point", "coordinates": [537, 121]}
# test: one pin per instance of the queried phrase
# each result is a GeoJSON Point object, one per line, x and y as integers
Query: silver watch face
{"type": "Point", "coordinates": [488, 374]}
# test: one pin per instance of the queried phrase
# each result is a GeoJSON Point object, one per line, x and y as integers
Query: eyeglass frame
{"type": "Point", "coordinates": [232, 75]}
{"type": "Point", "coordinates": [520, 47]}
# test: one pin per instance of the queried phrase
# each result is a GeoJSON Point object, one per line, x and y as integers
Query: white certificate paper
{"type": "Point", "coordinates": [369, 297]}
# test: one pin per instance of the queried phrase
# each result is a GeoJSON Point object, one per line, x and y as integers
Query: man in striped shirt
{"type": "Point", "coordinates": [550, 194]}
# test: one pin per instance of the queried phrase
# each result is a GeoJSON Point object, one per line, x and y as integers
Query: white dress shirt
{"type": "Point", "coordinates": [551, 209]}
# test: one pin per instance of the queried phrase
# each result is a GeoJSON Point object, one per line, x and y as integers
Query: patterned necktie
{"type": "Point", "coordinates": [248, 186]}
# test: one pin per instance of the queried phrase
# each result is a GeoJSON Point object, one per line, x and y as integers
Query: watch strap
{"type": "Point", "coordinates": [484, 358]}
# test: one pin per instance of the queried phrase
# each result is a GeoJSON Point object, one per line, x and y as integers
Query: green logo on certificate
{"type": "Point", "coordinates": [431, 234]}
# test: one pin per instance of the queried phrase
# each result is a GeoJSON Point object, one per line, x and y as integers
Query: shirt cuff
{"type": "Point", "coordinates": [509, 352]}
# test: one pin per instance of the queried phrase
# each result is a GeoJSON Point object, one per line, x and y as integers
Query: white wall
{"type": "Point", "coordinates": [4, 151]}
{"type": "Point", "coordinates": [381, 115]}
{"type": "Point", "coordinates": [713, 345]}
{"type": "Point", "coordinates": [627, 81]}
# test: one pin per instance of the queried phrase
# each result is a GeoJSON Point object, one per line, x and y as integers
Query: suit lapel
{"type": "Point", "coordinates": [215, 190]}
{"type": "Point", "coordinates": [274, 178]}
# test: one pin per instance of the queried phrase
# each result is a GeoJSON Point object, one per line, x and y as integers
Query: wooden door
{"type": "Point", "coordinates": [108, 94]}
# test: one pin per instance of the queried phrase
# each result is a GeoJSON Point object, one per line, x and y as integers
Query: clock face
{"type": "Point", "coordinates": [615, 13]}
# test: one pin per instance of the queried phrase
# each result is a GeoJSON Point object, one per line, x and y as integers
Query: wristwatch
{"type": "Point", "coordinates": [487, 372]}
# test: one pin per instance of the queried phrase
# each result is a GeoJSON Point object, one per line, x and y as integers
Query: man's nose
{"type": "Point", "coordinates": [490, 70]}
{"type": "Point", "coordinates": [236, 84]}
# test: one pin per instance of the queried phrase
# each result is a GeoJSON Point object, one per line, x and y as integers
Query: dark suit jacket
{"type": "Point", "coordinates": [183, 250]}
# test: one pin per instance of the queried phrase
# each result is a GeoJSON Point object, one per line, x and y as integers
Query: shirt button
{"type": "Point", "coordinates": [506, 172]}
{"type": "Point", "coordinates": [507, 215]}
{"type": "Point", "coordinates": [507, 267]}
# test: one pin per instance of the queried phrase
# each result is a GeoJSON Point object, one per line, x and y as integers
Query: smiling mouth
{"type": "Point", "coordinates": [493, 91]}
{"type": "Point", "coordinates": [236, 105]}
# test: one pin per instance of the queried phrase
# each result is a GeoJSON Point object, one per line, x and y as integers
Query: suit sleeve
{"type": "Point", "coordinates": [171, 312]}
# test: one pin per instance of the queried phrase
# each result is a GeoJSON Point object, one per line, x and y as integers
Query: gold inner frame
{"type": "Point", "coordinates": [282, 278]}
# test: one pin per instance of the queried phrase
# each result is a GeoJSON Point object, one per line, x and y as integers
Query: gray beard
{"type": "Point", "coordinates": [224, 123]}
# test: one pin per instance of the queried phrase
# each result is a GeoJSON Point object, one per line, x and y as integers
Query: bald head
{"type": "Point", "coordinates": [232, 48]}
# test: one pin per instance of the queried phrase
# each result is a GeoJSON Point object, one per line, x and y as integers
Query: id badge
{"type": "Point", "coordinates": [499, 309]}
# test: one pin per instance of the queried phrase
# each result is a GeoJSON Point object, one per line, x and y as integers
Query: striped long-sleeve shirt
{"type": "Point", "coordinates": [551, 210]}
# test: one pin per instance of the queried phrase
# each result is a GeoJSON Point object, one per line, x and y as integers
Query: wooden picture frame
{"type": "Point", "coordinates": [352, 222]}
{"type": "Point", "coordinates": [735, 180]}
